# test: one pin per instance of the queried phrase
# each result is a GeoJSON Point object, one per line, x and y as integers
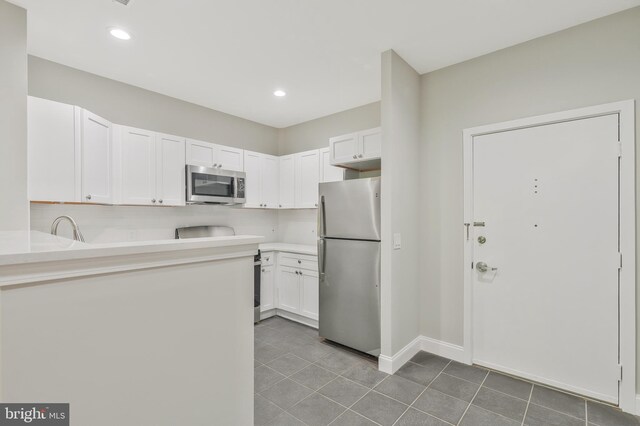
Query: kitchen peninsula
{"type": "Point", "coordinates": [118, 330]}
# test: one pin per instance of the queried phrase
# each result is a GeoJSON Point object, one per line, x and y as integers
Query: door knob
{"type": "Point", "coordinates": [483, 267]}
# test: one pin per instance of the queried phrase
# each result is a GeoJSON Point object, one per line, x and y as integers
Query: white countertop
{"type": "Point", "coordinates": [290, 248]}
{"type": "Point", "coordinates": [23, 247]}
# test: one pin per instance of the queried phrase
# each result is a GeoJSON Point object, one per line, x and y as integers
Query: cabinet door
{"type": "Point", "coordinates": [170, 180]}
{"type": "Point", "coordinates": [252, 184]}
{"type": "Point", "coordinates": [137, 166]}
{"type": "Point", "coordinates": [329, 173]}
{"type": "Point", "coordinates": [307, 179]}
{"type": "Point", "coordinates": [289, 290]}
{"type": "Point", "coordinates": [200, 153]}
{"type": "Point", "coordinates": [309, 297]}
{"type": "Point", "coordinates": [344, 149]}
{"type": "Point", "coordinates": [267, 290]}
{"type": "Point", "coordinates": [269, 181]}
{"type": "Point", "coordinates": [370, 144]}
{"type": "Point", "coordinates": [228, 158]}
{"type": "Point", "coordinates": [53, 151]}
{"type": "Point", "coordinates": [96, 159]}
{"type": "Point", "coordinates": [287, 195]}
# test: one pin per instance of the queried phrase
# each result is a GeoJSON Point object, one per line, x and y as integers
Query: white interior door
{"type": "Point", "coordinates": [548, 197]}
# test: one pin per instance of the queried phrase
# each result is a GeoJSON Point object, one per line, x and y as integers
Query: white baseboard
{"type": "Point", "coordinates": [297, 318]}
{"type": "Point", "coordinates": [391, 364]}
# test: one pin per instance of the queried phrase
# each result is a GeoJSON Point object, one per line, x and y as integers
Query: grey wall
{"type": "Point", "coordinates": [594, 63]}
{"type": "Point", "coordinates": [133, 106]}
{"type": "Point", "coordinates": [14, 205]}
{"type": "Point", "coordinates": [315, 134]}
{"type": "Point", "coordinates": [400, 113]}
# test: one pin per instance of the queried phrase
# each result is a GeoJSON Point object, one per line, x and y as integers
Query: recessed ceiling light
{"type": "Point", "coordinates": [280, 93]}
{"type": "Point", "coordinates": [119, 33]}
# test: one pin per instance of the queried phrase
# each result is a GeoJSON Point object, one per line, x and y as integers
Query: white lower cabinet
{"type": "Point", "coordinates": [297, 286]}
{"type": "Point", "coordinates": [267, 288]}
{"type": "Point", "coordinates": [289, 289]}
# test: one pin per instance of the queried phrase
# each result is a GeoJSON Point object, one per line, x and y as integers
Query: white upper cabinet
{"type": "Point", "coordinates": [329, 173]}
{"type": "Point", "coordinates": [287, 182]}
{"type": "Point", "coordinates": [206, 154]}
{"type": "Point", "coordinates": [253, 187]}
{"type": "Point", "coordinates": [200, 153]}
{"type": "Point", "coordinates": [344, 149]}
{"type": "Point", "coordinates": [261, 185]}
{"type": "Point", "coordinates": [53, 151]}
{"type": "Point", "coordinates": [96, 159]}
{"type": "Point", "coordinates": [269, 180]}
{"type": "Point", "coordinates": [359, 151]}
{"type": "Point", "coordinates": [136, 163]}
{"type": "Point", "coordinates": [150, 167]}
{"type": "Point", "coordinates": [370, 144]}
{"type": "Point", "coordinates": [170, 176]}
{"type": "Point", "coordinates": [307, 178]}
{"type": "Point", "coordinates": [228, 158]}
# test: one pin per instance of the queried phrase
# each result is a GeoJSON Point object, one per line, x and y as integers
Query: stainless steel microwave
{"type": "Point", "coordinates": [216, 186]}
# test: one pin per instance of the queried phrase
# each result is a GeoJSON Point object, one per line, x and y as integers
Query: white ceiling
{"type": "Point", "coordinates": [231, 55]}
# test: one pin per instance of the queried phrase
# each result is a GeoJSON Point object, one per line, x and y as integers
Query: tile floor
{"type": "Point", "coordinates": [301, 380]}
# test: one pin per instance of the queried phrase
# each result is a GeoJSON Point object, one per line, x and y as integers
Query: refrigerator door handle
{"type": "Point", "coordinates": [322, 247]}
{"type": "Point", "coordinates": [322, 223]}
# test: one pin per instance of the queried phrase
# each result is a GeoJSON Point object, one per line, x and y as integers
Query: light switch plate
{"type": "Point", "coordinates": [397, 241]}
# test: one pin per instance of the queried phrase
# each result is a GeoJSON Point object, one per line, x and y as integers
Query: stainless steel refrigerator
{"type": "Point", "coordinates": [349, 263]}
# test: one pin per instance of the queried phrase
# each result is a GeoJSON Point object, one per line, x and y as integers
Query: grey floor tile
{"type": "Point", "coordinates": [286, 394]}
{"type": "Point", "coordinates": [427, 359]}
{"type": "Point", "coordinates": [340, 361]}
{"type": "Point", "coordinates": [264, 352]}
{"type": "Point", "coordinates": [416, 418]}
{"type": "Point", "coordinates": [379, 408]}
{"type": "Point", "coordinates": [365, 374]}
{"type": "Point", "coordinates": [469, 373]}
{"type": "Point", "coordinates": [509, 385]}
{"type": "Point", "coordinates": [417, 373]}
{"type": "Point", "coordinates": [351, 418]}
{"type": "Point", "coordinates": [286, 419]}
{"type": "Point", "coordinates": [288, 364]}
{"type": "Point", "coordinates": [455, 387]}
{"type": "Point", "coordinates": [313, 377]}
{"type": "Point", "coordinates": [604, 415]}
{"type": "Point", "coordinates": [265, 377]}
{"type": "Point", "coordinates": [343, 391]}
{"type": "Point", "coordinates": [316, 410]}
{"type": "Point", "coordinates": [264, 410]}
{"type": "Point", "coordinates": [558, 401]}
{"type": "Point", "coordinates": [500, 403]}
{"type": "Point", "coordinates": [312, 351]}
{"type": "Point", "coordinates": [269, 335]}
{"type": "Point", "coordinates": [476, 416]}
{"type": "Point", "coordinates": [540, 416]}
{"type": "Point", "coordinates": [440, 405]}
{"type": "Point", "coordinates": [400, 388]}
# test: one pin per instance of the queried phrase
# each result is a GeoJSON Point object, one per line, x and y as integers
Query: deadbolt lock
{"type": "Point", "coordinates": [482, 239]}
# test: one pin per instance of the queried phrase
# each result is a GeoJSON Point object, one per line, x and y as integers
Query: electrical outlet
{"type": "Point", "coordinates": [397, 241]}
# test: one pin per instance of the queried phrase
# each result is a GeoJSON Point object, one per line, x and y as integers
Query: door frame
{"type": "Point", "coordinates": [627, 230]}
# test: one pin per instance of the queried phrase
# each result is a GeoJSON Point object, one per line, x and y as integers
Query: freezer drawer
{"type": "Point", "coordinates": [350, 293]}
{"type": "Point", "coordinates": [350, 209]}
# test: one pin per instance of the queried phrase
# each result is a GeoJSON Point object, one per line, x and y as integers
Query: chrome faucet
{"type": "Point", "coordinates": [77, 235]}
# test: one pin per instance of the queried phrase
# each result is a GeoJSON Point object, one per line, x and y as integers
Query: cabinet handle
{"type": "Point", "coordinates": [215, 164]}
{"type": "Point", "coordinates": [267, 259]}
{"type": "Point", "coordinates": [262, 269]}
{"type": "Point", "coordinates": [88, 196]}
{"type": "Point", "coordinates": [153, 200]}
{"type": "Point", "coordinates": [279, 205]}
{"type": "Point", "coordinates": [360, 155]}
{"type": "Point", "coordinates": [316, 204]}
{"type": "Point", "coordinates": [160, 201]}
{"type": "Point", "coordinates": [220, 165]}
{"type": "Point", "coordinates": [355, 156]}
{"type": "Point", "coordinates": [299, 261]}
